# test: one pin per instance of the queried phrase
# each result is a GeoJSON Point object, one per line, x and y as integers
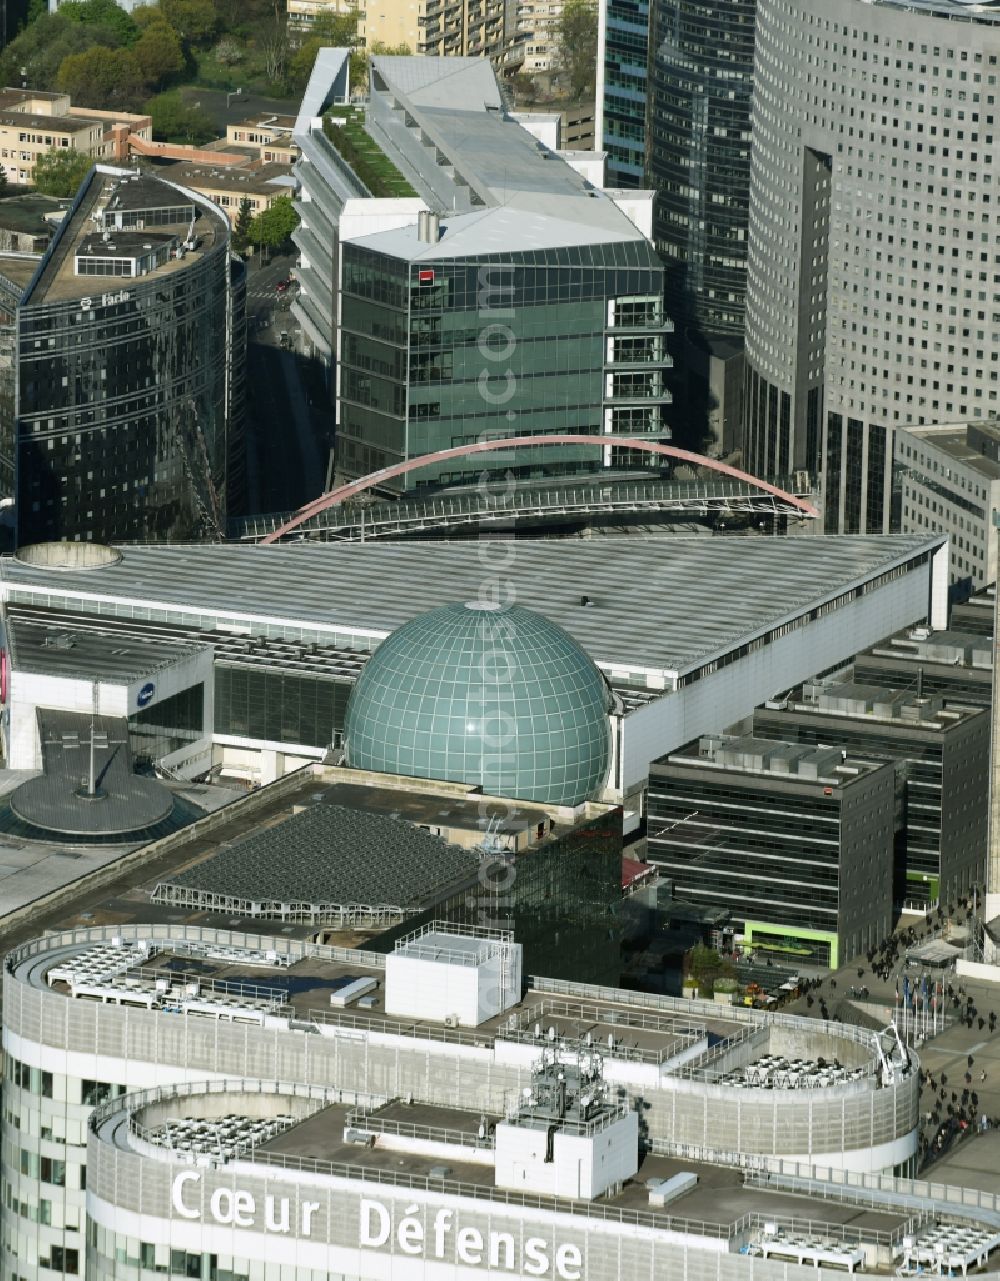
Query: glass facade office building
{"type": "Point", "coordinates": [698, 155]}
{"type": "Point", "coordinates": [442, 352]}
{"type": "Point", "coordinates": [625, 55]}
{"type": "Point", "coordinates": [798, 851]}
{"type": "Point", "coordinates": [121, 402]}
{"type": "Point", "coordinates": [941, 775]}
{"type": "Point", "coordinates": [562, 899]}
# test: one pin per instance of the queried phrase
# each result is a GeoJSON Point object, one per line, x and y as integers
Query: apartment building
{"type": "Point", "coordinates": [33, 122]}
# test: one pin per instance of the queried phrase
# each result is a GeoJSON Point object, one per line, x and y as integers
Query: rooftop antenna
{"type": "Point", "coordinates": [90, 789]}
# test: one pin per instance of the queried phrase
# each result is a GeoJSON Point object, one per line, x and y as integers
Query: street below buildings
{"type": "Point", "coordinates": [287, 424]}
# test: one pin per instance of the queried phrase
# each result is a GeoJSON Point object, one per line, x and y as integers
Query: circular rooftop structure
{"type": "Point", "coordinates": [68, 555]}
{"type": "Point", "coordinates": [495, 696]}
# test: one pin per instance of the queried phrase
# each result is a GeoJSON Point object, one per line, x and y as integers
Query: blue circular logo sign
{"type": "Point", "coordinates": [145, 695]}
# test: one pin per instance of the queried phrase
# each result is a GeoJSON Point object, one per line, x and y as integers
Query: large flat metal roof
{"type": "Point", "coordinates": [647, 604]}
{"type": "Point", "coordinates": [51, 649]}
{"type": "Point", "coordinates": [534, 199]}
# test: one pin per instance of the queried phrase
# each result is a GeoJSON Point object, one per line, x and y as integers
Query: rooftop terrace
{"type": "Point", "coordinates": [58, 281]}
{"type": "Point", "coordinates": [284, 1130]}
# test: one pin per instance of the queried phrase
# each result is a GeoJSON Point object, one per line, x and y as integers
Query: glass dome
{"type": "Point", "coordinates": [497, 696]}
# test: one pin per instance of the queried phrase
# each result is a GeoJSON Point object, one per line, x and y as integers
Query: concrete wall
{"type": "Point", "coordinates": [717, 701]}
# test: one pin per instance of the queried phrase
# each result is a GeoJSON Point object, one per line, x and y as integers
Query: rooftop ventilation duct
{"type": "Point", "coordinates": [428, 227]}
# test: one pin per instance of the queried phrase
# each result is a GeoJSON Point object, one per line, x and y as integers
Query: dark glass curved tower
{"type": "Point", "coordinates": [698, 156]}
{"type": "Point", "coordinates": [121, 403]}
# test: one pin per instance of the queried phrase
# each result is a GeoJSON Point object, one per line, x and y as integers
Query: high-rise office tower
{"type": "Point", "coordinates": [698, 154]}
{"type": "Point", "coordinates": [622, 54]}
{"type": "Point", "coordinates": [698, 162]}
{"type": "Point", "coordinates": [484, 225]}
{"type": "Point", "coordinates": [873, 263]}
{"type": "Point", "coordinates": [121, 369]}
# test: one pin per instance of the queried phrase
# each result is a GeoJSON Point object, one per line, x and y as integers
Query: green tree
{"type": "Point", "coordinates": [228, 52]}
{"type": "Point", "coordinates": [243, 226]}
{"type": "Point", "coordinates": [158, 53]}
{"type": "Point", "coordinates": [102, 77]}
{"type": "Point", "coordinates": [336, 30]}
{"type": "Point", "coordinates": [41, 48]}
{"type": "Point", "coordinates": [59, 171]}
{"type": "Point", "coordinates": [104, 14]}
{"type": "Point", "coordinates": [272, 227]}
{"type": "Point", "coordinates": [195, 21]}
{"type": "Point", "coordinates": [175, 121]}
{"type": "Point", "coordinates": [3, 181]}
{"type": "Point", "coordinates": [576, 40]}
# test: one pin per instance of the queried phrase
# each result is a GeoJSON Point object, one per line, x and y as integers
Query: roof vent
{"type": "Point", "coordinates": [428, 227]}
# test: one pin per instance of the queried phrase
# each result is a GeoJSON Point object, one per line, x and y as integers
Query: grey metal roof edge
{"type": "Point", "coordinates": [922, 542]}
{"type": "Point", "coordinates": [320, 88]}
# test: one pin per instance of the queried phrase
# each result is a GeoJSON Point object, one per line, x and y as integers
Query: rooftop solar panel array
{"type": "Point", "coordinates": [329, 854]}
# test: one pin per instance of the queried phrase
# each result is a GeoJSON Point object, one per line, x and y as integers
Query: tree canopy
{"type": "Point", "coordinates": [242, 228]}
{"type": "Point", "coordinates": [59, 171]}
{"type": "Point", "coordinates": [577, 46]}
{"type": "Point", "coordinates": [110, 77]}
{"type": "Point", "coordinates": [336, 30]}
{"type": "Point", "coordinates": [195, 21]}
{"type": "Point", "coordinates": [106, 15]}
{"type": "Point", "coordinates": [272, 227]}
{"type": "Point", "coordinates": [175, 121]}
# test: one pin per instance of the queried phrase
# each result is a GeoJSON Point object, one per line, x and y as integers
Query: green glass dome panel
{"type": "Point", "coordinates": [498, 697]}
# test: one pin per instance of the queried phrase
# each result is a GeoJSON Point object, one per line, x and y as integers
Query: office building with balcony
{"type": "Point", "coordinates": [941, 753]}
{"type": "Point", "coordinates": [948, 480]}
{"type": "Point", "coordinates": [873, 263]}
{"type": "Point", "coordinates": [122, 390]}
{"type": "Point", "coordinates": [795, 842]}
{"type": "Point", "coordinates": [490, 290]}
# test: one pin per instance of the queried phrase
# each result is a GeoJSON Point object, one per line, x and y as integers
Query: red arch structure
{"type": "Point", "coordinates": [336, 496]}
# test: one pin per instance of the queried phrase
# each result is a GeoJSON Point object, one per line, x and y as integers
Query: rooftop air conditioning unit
{"type": "Point", "coordinates": [451, 1020]}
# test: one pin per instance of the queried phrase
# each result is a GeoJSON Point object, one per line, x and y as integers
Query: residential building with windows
{"type": "Point", "coordinates": [941, 753]}
{"type": "Point", "coordinates": [948, 478]}
{"type": "Point", "coordinates": [794, 841]}
{"type": "Point", "coordinates": [122, 395]}
{"type": "Point", "coordinates": [873, 262]}
{"type": "Point", "coordinates": [303, 14]}
{"type": "Point", "coordinates": [474, 227]}
{"type": "Point", "coordinates": [229, 186]}
{"type": "Point", "coordinates": [33, 122]}
{"type": "Point", "coordinates": [439, 28]}
{"type": "Point", "coordinates": [269, 137]}
{"type": "Point", "coordinates": [536, 35]}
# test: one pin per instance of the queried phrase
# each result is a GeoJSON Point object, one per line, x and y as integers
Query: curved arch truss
{"type": "Point", "coordinates": [341, 494]}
